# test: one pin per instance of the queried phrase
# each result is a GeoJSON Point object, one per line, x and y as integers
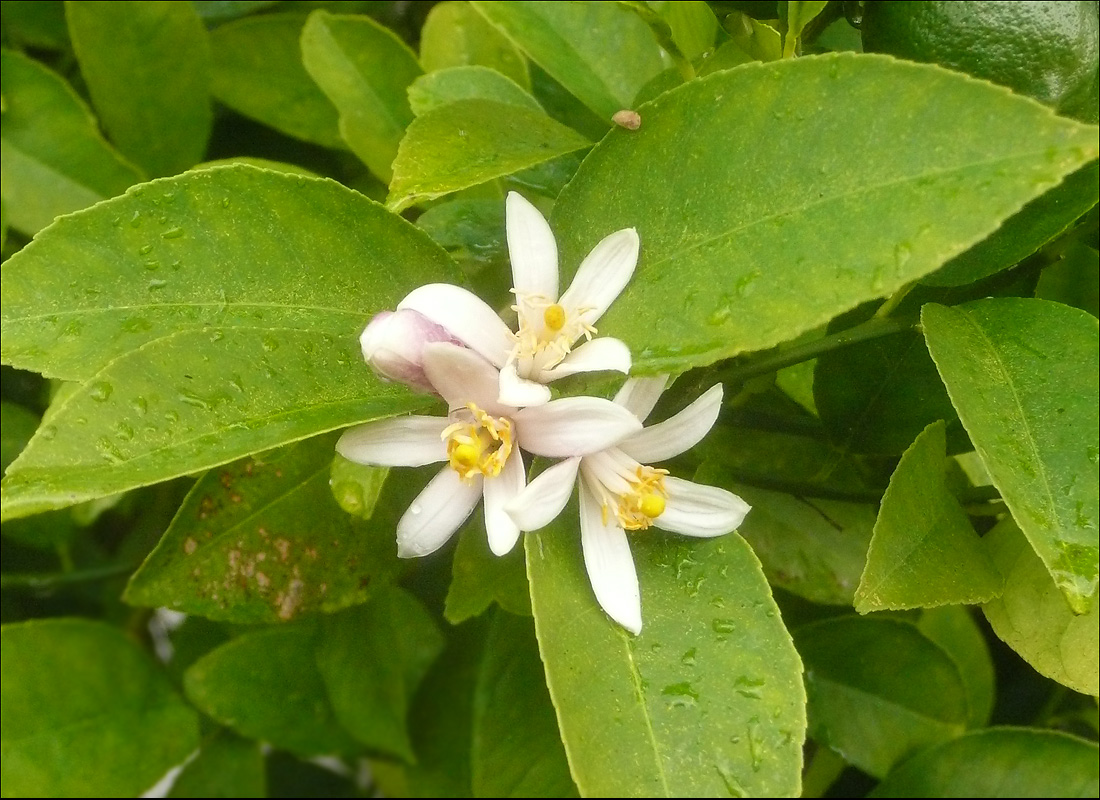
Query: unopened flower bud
{"type": "Point", "coordinates": [393, 344]}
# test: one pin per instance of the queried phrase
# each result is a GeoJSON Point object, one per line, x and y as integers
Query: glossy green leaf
{"type": "Point", "coordinates": [924, 551]}
{"type": "Point", "coordinates": [266, 685]}
{"type": "Point", "coordinates": [472, 231]}
{"type": "Point", "coordinates": [454, 35]}
{"type": "Point", "coordinates": [879, 675]}
{"type": "Point", "coordinates": [517, 751]}
{"type": "Point", "coordinates": [999, 762]}
{"type": "Point", "coordinates": [84, 711]}
{"type": "Point", "coordinates": [365, 70]}
{"type": "Point", "coordinates": [258, 72]}
{"type": "Point", "coordinates": [953, 628]}
{"type": "Point", "coordinates": [757, 40]}
{"type": "Point", "coordinates": [263, 540]}
{"type": "Point", "coordinates": [570, 42]}
{"type": "Point", "coordinates": [743, 270]}
{"type": "Point", "coordinates": [372, 657]}
{"type": "Point", "coordinates": [466, 83]}
{"type": "Point", "coordinates": [707, 701]}
{"type": "Point", "coordinates": [481, 578]}
{"type": "Point", "coordinates": [797, 14]}
{"type": "Point", "coordinates": [469, 142]}
{"type": "Point", "coordinates": [17, 426]}
{"type": "Point", "coordinates": [1033, 618]}
{"type": "Point", "coordinates": [148, 70]}
{"type": "Point", "coordinates": [197, 252]}
{"type": "Point", "coordinates": [54, 161]}
{"type": "Point", "coordinates": [1022, 375]}
{"type": "Point", "coordinates": [356, 487]}
{"type": "Point", "coordinates": [693, 25]}
{"type": "Point", "coordinates": [226, 766]}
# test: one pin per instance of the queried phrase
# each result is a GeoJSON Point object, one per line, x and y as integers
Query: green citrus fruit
{"type": "Point", "coordinates": [1047, 50]}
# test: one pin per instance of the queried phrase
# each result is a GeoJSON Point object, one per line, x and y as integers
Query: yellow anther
{"type": "Point", "coordinates": [478, 446]}
{"type": "Point", "coordinates": [554, 317]}
{"type": "Point", "coordinates": [466, 455]}
{"type": "Point", "coordinates": [652, 505]}
{"type": "Point", "coordinates": [636, 509]}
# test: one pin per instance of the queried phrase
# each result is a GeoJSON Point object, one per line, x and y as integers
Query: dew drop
{"type": "Point", "coordinates": [48, 432]}
{"type": "Point", "coordinates": [109, 450]}
{"type": "Point", "coordinates": [172, 233]}
{"type": "Point", "coordinates": [124, 431]}
{"type": "Point", "coordinates": [723, 626]}
{"type": "Point", "coordinates": [157, 283]}
{"type": "Point", "coordinates": [140, 405]}
{"type": "Point", "coordinates": [192, 399]}
{"type": "Point", "coordinates": [688, 658]}
{"type": "Point", "coordinates": [145, 249]}
{"type": "Point", "coordinates": [100, 391]}
{"type": "Point", "coordinates": [270, 344]}
{"type": "Point", "coordinates": [681, 695]}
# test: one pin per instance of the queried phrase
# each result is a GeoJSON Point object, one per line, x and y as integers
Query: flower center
{"type": "Point", "coordinates": [480, 445]}
{"type": "Point", "coordinates": [645, 501]}
{"type": "Point", "coordinates": [554, 317]}
{"type": "Point", "coordinates": [541, 346]}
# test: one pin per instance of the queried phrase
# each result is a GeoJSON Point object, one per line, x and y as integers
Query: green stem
{"type": "Point", "coordinates": [51, 580]}
{"type": "Point", "coordinates": [892, 302]}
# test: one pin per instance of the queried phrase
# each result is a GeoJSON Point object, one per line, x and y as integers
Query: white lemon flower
{"type": "Point", "coordinates": [481, 441]}
{"type": "Point", "coordinates": [619, 493]}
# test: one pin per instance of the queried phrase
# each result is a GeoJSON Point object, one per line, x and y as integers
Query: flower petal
{"type": "Point", "coordinates": [531, 248]}
{"type": "Point", "coordinates": [398, 442]}
{"type": "Point", "coordinates": [518, 392]}
{"type": "Point", "coordinates": [603, 274]}
{"type": "Point", "coordinates": [677, 433]}
{"type": "Point", "coordinates": [545, 496]}
{"type": "Point", "coordinates": [461, 376]}
{"type": "Point", "coordinates": [436, 513]}
{"type": "Point", "coordinates": [610, 565]}
{"type": "Point", "coordinates": [465, 316]}
{"type": "Point", "coordinates": [640, 395]}
{"type": "Point", "coordinates": [695, 509]}
{"type": "Point", "coordinates": [597, 355]}
{"type": "Point", "coordinates": [573, 426]}
{"type": "Point", "coordinates": [501, 530]}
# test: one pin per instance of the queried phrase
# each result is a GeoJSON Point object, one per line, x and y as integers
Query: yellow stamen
{"type": "Point", "coordinates": [480, 446]}
{"type": "Point", "coordinates": [554, 317]}
{"type": "Point", "coordinates": [652, 505]}
{"type": "Point", "coordinates": [554, 340]}
{"type": "Point", "coordinates": [637, 509]}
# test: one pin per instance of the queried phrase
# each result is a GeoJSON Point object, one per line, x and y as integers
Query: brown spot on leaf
{"type": "Point", "coordinates": [283, 546]}
{"type": "Point", "coordinates": [189, 545]}
{"type": "Point", "coordinates": [631, 120]}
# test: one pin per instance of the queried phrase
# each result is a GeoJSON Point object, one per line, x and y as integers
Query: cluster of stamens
{"type": "Point", "coordinates": [634, 493]}
{"type": "Point", "coordinates": [552, 342]}
{"type": "Point", "coordinates": [480, 445]}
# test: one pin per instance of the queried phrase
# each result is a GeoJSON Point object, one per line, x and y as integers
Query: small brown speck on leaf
{"type": "Point", "coordinates": [631, 120]}
{"type": "Point", "coordinates": [190, 545]}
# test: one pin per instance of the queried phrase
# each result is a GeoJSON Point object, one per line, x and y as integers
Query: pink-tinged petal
{"type": "Point", "coordinates": [597, 355]}
{"type": "Point", "coordinates": [545, 496]}
{"type": "Point", "coordinates": [531, 248]}
{"type": "Point", "coordinates": [573, 426]}
{"type": "Point", "coordinates": [398, 442]}
{"type": "Point", "coordinates": [502, 531]}
{"type": "Point", "coordinates": [436, 513]}
{"type": "Point", "coordinates": [609, 564]}
{"type": "Point", "coordinates": [640, 395]}
{"type": "Point", "coordinates": [393, 344]}
{"type": "Point", "coordinates": [677, 433]}
{"type": "Point", "coordinates": [461, 376]}
{"type": "Point", "coordinates": [519, 392]}
{"type": "Point", "coordinates": [602, 275]}
{"type": "Point", "coordinates": [465, 315]}
{"type": "Point", "coordinates": [695, 509]}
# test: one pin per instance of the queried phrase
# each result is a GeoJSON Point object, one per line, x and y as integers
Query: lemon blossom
{"type": "Point", "coordinates": [393, 344]}
{"type": "Point", "coordinates": [480, 441]}
{"type": "Point", "coordinates": [618, 493]}
{"type": "Point", "coordinates": [550, 325]}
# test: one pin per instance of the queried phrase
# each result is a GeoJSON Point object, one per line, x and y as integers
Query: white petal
{"type": "Point", "coordinates": [677, 433]}
{"type": "Point", "coordinates": [695, 509]}
{"type": "Point", "coordinates": [398, 442]}
{"type": "Point", "coordinates": [519, 392]}
{"type": "Point", "coordinates": [545, 496]}
{"type": "Point", "coordinates": [640, 395]}
{"type": "Point", "coordinates": [501, 530]}
{"type": "Point", "coordinates": [610, 565]}
{"type": "Point", "coordinates": [531, 248]}
{"type": "Point", "coordinates": [436, 513]}
{"type": "Point", "coordinates": [603, 274]}
{"type": "Point", "coordinates": [465, 315]}
{"type": "Point", "coordinates": [573, 426]}
{"type": "Point", "coordinates": [461, 376]}
{"type": "Point", "coordinates": [600, 354]}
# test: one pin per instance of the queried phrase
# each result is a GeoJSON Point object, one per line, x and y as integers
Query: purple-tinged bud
{"type": "Point", "coordinates": [393, 344]}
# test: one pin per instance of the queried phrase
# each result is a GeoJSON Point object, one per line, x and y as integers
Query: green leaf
{"type": "Point", "coordinates": [469, 142]}
{"type": "Point", "coordinates": [222, 10]}
{"type": "Point", "coordinates": [454, 35]}
{"type": "Point", "coordinates": [798, 14]}
{"type": "Point", "coordinates": [1033, 618]}
{"type": "Point", "coordinates": [743, 270]}
{"type": "Point", "coordinates": [85, 712]}
{"type": "Point", "coordinates": [466, 83]}
{"type": "Point", "coordinates": [517, 751]}
{"type": "Point", "coordinates": [54, 159]}
{"type": "Point", "coordinates": [472, 231]}
{"type": "Point", "coordinates": [148, 69]}
{"type": "Point", "coordinates": [999, 762]}
{"type": "Point", "coordinates": [17, 426]}
{"type": "Point", "coordinates": [570, 42]}
{"type": "Point", "coordinates": [365, 70]}
{"type": "Point", "coordinates": [481, 578]}
{"type": "Point", "coordinates": [924, 551]}
{"type": "Point", "coordinates": [1073, 280]}
{"type": "Point", "coordinates": [196, 252]}
{"type": "Point", "coordinates": [882, 676]}
{"type": "Point", "coordinates": [953, 628]}
{"type": "Point", "coordinates": [758, 40]}
{"type": "Point", "coordinates": [693, 25]}
{"type": "Point", "coordinates": [707, 701]}
{"type": "Point", "coordinates": [263, 540]}
{"type": "Point", "coordinates": [266, 685]}
{"type": "Point", "coordinates": [226, 766]}
{"type": "Point", "coordinates": [35, 23]}
{"type": "Point", "coordinates": [372, 658]}
{"type": "Point", "coordinates": [356, 487]}
{"type": "Point", "coordinates": [258, 72]}
{"type": "Point", "coordinates": [1022, 375]}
